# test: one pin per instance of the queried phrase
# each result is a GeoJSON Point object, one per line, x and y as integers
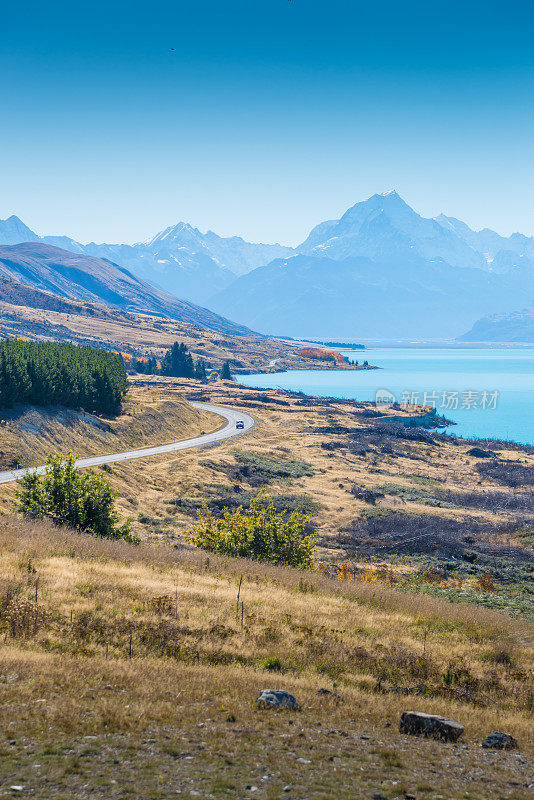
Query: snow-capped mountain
{"type": "Point", "coordinates": [180, 259]}
{"type": "Point", "coordinates": [501, 253]}
{"type": "Point", "coordinates": [499, 328]}
{"type": "Point", "coordinates": [380, 270]}
{"type": "Point", "coordinates": [384, 271]}
{"type": "Point", "coordinates": [384, 226]}
{"type": "Point", "coordinates": [231, 253]}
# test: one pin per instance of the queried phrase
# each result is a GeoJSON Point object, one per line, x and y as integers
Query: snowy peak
{"type": "Point", "coordinates": [384, 226]}
{"type": "Point", "coordinates": [182, 231]}
{"type": "Point", "coordinates": [14, 231]}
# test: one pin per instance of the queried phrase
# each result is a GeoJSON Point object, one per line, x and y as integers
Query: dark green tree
{"type": "Point", "coordinates": [178, 362]}
{"type": "Point", "coordinates": [226, 375]}
{"type": "Point", "coordinates": [200, 370]}
{"type": "Point", "coordinates": [50, 373]}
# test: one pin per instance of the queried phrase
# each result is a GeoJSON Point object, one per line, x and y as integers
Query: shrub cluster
{"type": "Point", "coordinates": [50, 373]}
{"type": "Point", "coordinates": [260, 533]}
{"type": "Point", "coordinates": [69, 496]}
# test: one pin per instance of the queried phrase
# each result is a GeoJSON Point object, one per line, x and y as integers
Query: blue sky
{"type": "Point", "coordinates": [268, 116]}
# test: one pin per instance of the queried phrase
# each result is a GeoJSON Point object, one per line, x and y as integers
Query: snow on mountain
{"type": "Point", "coordinates": [443, 274]}
{"type": "Point", "coordinates": [179, 259]}
{"type": "Point", "coordinates": [517, 326]}
{"type": "Point", "coordinates": [386, 226]}
{"type": "Point", "coordinates": [490, 244]}
{"type": "Point", "coordinates": [381, 270]}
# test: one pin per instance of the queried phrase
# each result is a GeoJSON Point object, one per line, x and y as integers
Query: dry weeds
{"type": "Point", "coordinates": [130, 664]}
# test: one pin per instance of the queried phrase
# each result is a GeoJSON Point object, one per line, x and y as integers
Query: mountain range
{"type": "Point", "coordinates": [51, 273]}
{"type": "Point", "coordinates": [517, 327]}
{"type": "Point", "coordinates": [379, 271]}
{"type": "Point", "coordinates": [180, 259]}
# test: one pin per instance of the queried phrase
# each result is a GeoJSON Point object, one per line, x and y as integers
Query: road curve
{"type": "Point", "coordinates": [207, 438]}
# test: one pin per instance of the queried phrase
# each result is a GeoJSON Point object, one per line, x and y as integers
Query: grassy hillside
{"type": "Point", "coordinates": [46, 268]}
{"type": "Point", "coordinates": [125, 672]}
{"type": "Point", "coordinates": [39, 315]}
{"type": "Point", "coordinates": [28, 434]}
{"type": "Point", "coordinates": [441, 520]}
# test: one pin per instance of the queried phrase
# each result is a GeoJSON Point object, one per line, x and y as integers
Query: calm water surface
{"type": "Point", "coordinates": [488, 393]}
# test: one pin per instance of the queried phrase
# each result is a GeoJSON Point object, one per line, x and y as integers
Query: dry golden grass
{"type": "Point", "coordinates": [133, 667]}
{"type": "Point", "coordinates": [28, 434]}
{"type": "Point", "coordinates": [158, 412]}
{"type": "Point", "coordinates": [147, 335]}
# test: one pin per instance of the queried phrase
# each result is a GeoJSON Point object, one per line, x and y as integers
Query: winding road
{"type": "Point", "coordinates": [207, 438]}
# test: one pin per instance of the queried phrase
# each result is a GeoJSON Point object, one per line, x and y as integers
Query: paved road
{"type": "Point", "coordinates": [207, 438]}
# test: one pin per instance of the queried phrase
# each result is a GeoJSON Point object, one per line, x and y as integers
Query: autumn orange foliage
{"type": "Point", "coordinates": [321, 355]}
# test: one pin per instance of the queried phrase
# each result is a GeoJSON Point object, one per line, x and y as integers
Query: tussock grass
{"type": "Point", "coordinates": [139, 645]}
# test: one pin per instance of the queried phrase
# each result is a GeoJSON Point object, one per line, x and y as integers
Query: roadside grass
{"type": "Point", "coordinates": [28, 434]}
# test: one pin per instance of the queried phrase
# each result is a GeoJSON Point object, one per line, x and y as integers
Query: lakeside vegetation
{"type": "Point", "coordinates": [159, 649]}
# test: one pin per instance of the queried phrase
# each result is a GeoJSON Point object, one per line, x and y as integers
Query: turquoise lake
{"type": "Point", "coordinates": [487, 393]}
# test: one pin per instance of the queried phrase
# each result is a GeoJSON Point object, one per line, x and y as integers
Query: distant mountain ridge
{"type": "Point", "coordinates": [180, 259]}
{"type": "Point", "coordinates": [47, 269]}
{"type": "Point", "coordinates": [517, 327]}
{"type": "Point", "coordinates": [383, 271]}
{"type": "Point", "coordinates": [380, 270]}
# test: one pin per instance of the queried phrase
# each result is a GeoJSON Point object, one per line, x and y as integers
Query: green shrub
{"type": "Point", "coordinates": [260, 532]}
{"type": "Point", "coordinates": [273, 664]}
{"type": "Point", "coordinates": [71, 497]}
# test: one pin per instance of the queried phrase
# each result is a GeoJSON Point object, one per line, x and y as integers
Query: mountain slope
{"type": "Point", "coordinates": [46, 268]}
{"type": "Point", "coordinates": [515, 327]}
{"type": "Point", "coordinates": [382, 271]}
{"type": "Point", "coordinates": [14, 231]}
{"type": "Point", "coordinates": [493, 246]}
{"type": "Point", "coordinates": [361, 297]}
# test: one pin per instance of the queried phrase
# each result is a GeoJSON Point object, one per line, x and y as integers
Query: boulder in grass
{"type": "Point", "coordinates": [417, 723]}
{"type": "Point", "coordinates": [277, 698]}
{"type": "Point", "coordinates": [500, 741]}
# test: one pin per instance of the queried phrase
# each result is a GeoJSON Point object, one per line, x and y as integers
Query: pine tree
{"type": "Point", "coordinates": [226, 375]}
{"type": "Point", "coordinates": [200, 370]}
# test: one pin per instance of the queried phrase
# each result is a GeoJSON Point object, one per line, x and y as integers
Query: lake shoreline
{"type": "Point", "coordinates": [486, 392]}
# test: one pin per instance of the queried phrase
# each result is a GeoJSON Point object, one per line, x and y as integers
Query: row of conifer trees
{"type": "Point", "coordinates": [52, 373]}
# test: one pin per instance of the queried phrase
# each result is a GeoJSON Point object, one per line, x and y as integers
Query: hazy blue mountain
{"type": "Point", "coordinates": [366, 298]}
{"type": "Point", "coordinates": [500, 252]}
{"type": "Point", "coordinates": [382, 271]}
{"type": "Point", "coordinates": [14, 231]}
{"type": "Point", "coordinates": [180, 259]}
{"type": "Point", "coordinates": [45, 268]}
{"type": "Point", "coordinates": [515, 327]}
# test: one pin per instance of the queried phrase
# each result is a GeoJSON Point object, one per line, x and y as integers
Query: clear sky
{"type": "Point", "coordinates": [266, 117]}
